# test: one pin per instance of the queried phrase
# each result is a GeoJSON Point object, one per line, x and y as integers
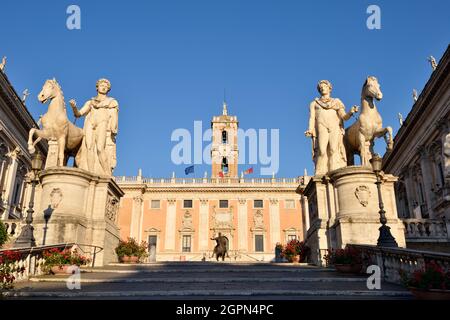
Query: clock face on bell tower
{"type": "Point", "coordinates": [224, 148]}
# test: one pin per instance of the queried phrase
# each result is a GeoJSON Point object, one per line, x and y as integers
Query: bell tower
{"type": "Point", "coordinates": [224, 147]}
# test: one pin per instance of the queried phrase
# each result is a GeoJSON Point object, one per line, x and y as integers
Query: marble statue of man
{"type": "Point", "coordinates": [447, 156]}
{"type": "Point", "coordinates": [98, 154]}
{"type": "Point", "coordinates": [3, 64]}
{"type": "Point", "coordinates": [326, 128]}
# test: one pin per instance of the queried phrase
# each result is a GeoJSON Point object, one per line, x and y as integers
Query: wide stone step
{"type": "Point", "coordinates": [207, 281]}
{"type": "Point", "coordinates": [215, 294]}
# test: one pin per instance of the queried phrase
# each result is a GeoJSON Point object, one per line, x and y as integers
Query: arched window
{"type": "Point", "coordinates": [224, 165]}
{"type": "Point", "coordinates": [224, 136]}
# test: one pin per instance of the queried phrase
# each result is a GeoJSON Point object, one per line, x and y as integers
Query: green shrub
{"type": "Point", "coordinates": [3, 234]}
{"type": "Point", "coordinates": [131, 248]}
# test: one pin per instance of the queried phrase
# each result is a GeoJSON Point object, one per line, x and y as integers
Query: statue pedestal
{"type": "Point", "coordinates": [343, 209]}
{"type": "Point", "coordinates": [73, 205]}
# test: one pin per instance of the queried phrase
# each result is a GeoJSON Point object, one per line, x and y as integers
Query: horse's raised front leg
{"type": "Point", "coordinates": [386, 133]}
{"type": "Point", "coordinates": [41, 134]}
{"type": "Point", "coordinates": [31, 148]}
{"type": "Point", "coordinates": [390, 140]}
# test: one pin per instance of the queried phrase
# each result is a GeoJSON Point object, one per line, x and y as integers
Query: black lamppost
{"type": "Point", "coordinates": [26, 237]}
{"type": "Point", "coordinates": [385, 239]}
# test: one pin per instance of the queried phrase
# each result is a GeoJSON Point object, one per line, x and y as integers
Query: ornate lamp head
{"type": "Point", "coordinates": [376, 163]}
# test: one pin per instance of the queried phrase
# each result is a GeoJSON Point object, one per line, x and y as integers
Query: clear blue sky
{"type": "Point", "coordinates": [169, 62]}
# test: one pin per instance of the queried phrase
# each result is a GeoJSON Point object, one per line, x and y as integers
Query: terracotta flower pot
{"type": "Point", "coordinates": [431, 294]}
{"type": "Point", "coordinates": [348, 268]}
{"type": "Point", "coordinates": [129, 259]}
{"type": "Point", "coordinates": [294, 259]}
{"type": "Point", "coordinates": [61, 269]}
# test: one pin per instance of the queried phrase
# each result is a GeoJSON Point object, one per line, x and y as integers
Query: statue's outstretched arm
{"type": "Point", "coordinates": [84, 110]}
{"type": "Point", "coordinates": [345, 116]}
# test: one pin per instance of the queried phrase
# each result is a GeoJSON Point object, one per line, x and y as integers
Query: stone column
{"type": "Point", "coordinates": [242, 225]}
{"type": "Point", "coordinates": [409, 192]}
{"type": "Point", "coordinates": [203, 227]}
{"type": "Point", "coordinates": [426, 178]}
{"type": "Point", "coordinates": [169, 241]}
{"type": "Point", "coordinates": [10, 181]}
{"type": "Point", "coordinates": [305, 214]}
{"type": "Point", "coordinates": [135, 216]}
{"type": "Point", "coordinates": [274, 214]}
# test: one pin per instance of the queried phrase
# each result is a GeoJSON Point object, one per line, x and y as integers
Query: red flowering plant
{"type": "Point", "coordinates": [295, 248]}
{"type": "Point", "coordinates": [8, 267]}
{"type": "Point", "coordinates": [432, 276]}
{"type": "Point", "coordinates": [58, 257]}
{"type": "Point", "coordinates": [347, 256]}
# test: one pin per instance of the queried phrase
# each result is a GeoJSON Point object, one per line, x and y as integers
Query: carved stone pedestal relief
{"type": "Point", "coordinates": [343, 209]}
{"type": "Point", "coordinates": [73, 205]}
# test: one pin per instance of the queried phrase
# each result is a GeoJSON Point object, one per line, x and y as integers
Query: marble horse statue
{"type": "Point", "coordinates": [56, 125]}
{"type": "Point", "coordinates": [359, 137]}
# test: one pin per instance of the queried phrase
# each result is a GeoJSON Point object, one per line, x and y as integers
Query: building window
{"type": "Point", "coordinates": [224, 165]}
{"type": "Point", "coordinates": [291, 237]}
{"type": "Point", "coordinates": [186, 244]}
{"type": "Point", "coordinates": [289, 204]}
{"type": "Point", "coordinates": [224, 136]}
{"type": "Point", "coordinates": [259, 243]}
{"type": "Point", "coordinates": [155, 204]}
{"type": "Point", "coordinates": [187, 204]}
{"type": "Point", "coordinates": [258, 204]}
{"type": "Point", "coordinates": [223, 203]}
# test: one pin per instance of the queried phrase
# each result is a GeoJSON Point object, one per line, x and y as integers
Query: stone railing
{"type": "Point", "coordinates": [392, 260]}
{"type": "Point", "coordinates": [425, 229]}
{"type": "Point", "coordinates": [13, 228]}
{"type": "Point", "coordinates": [32, 260]}
{"type": "Point", "coordinates": [203, 181]}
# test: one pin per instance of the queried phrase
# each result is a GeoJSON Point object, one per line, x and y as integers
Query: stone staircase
{"type": "Point", "coordinates": [207, 280]}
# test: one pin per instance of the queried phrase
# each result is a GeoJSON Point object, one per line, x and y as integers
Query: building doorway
{"type": "Point", "coordinates": [152, 248]}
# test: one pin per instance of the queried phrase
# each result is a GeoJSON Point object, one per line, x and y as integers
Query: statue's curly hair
{"type": "Point", "coordinates": [328, 83]}
{"type": "Point", "coordinates": [105, 81]}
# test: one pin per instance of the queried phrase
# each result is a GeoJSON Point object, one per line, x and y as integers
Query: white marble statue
{"type": "Point", "coordinates": [415, 95]}
{"type": "Point", "coordinates": [326, 128]}
{"type": "Point", "coordinates": [3, 64]}
{"type": "Point", "coordinates": [56, 126]}
{"type": "Point", "coordinates": [25, 95]}
{"type": "Point", "coordinates": [447, 156]}
{"type": "Point", "coordinates": [360, 136]}
{"type": "Point", "coordinates": [400, 119]}
{"type": "Point", "coordinates": [98, 150]}
{"type": "Point", "coordinates": [433, 62]}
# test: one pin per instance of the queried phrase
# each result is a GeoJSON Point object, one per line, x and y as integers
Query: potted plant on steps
{"type": "Point", "coordinates": [295, 251]}
{"type": "Point", "coordinates": [58, 261]}
{"type": "Point", "coordinates": [430, 283]}
{"type": "Point", "coordinates": [130, 251]}
{"type": "Point", "coordinates": [346, 260]}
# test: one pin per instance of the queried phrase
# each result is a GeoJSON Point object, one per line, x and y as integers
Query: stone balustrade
{"type": "Point", "coordinates": [425, 229]}
{"type": "Point", "coordinates": [13, 228]}
{"type": "Point", "coordinates": [210, 181]}
{"type": "Point", "coordinates": [32, 260]}
{"type": "Point", "coordinates": [392, 260]}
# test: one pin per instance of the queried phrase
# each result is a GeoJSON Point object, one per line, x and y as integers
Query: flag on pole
{"type": "Point", "coordinates": [221, 174]}
{"type": "Point", "coordinates": [189, 170]}
{"type": "Point", "coordinates": [248, 171]}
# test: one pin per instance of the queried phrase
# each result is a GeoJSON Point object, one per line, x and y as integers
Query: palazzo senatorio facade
{"type": "Point", "coordinates": [177, 217]}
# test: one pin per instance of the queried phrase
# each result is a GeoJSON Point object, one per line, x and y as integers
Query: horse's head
{"type": "Point", "coordinates": [372, 89]}
{"type": "Point", "coordinates": [50, 89]}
